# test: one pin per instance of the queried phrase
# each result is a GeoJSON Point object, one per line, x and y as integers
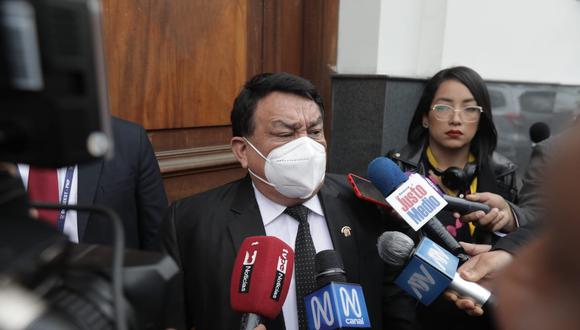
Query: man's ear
{"type": "Point", "coordinates": [239, 148]}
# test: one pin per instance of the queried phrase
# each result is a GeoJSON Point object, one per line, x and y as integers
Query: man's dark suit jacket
{"type": "Point", "coordinates": [204, 232]}
{"type": "Point", "coordinates": [530, 206]}
{"type": "Point", "coordinates": [130, 183]}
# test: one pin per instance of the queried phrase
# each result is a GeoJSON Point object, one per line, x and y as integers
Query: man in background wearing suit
{"type": "Point", "coordinates": [130, 183]}
{"type": "Point", "coordinates": [277, 123]}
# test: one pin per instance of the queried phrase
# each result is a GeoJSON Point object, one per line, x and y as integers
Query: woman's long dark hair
{"type": "Point", "coordinates": [485, 139]}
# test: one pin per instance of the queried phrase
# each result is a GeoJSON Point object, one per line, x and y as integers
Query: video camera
{"type": "Point", "coordinates": [54, 112]}
{"type": "Point", "coordinates": [48, 283]}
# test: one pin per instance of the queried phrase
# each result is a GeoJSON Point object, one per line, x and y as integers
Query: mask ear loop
{"type": "Point", "coordinates": [261, 179]}
{"type": "Point", "coordinates": [255, 149]}
{"type": "Point", "coordinates": [252, 172]}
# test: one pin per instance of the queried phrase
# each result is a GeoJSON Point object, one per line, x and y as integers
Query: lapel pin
{"type": "Point", "coordinates": [346, 231]}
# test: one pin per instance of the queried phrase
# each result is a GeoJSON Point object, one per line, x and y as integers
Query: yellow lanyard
{"type": "Point", "coordinates": [472, 186]}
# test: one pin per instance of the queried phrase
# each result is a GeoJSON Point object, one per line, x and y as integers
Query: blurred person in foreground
{"type": "Point", "coordinates": [540, 289]}
{"type": "Point", "coordinates": [487, 260]}
{"type": "Point", "coordinates": [129, 183]}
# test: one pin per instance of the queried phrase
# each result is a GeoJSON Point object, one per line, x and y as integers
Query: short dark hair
{"type": "Point", "coordinates": [260, 86]}
{"type": "Point", "coordinates": [485, 140]}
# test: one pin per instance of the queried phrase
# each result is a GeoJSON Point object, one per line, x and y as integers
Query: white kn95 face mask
{"type": "Point", "coordinates": [294, 169]}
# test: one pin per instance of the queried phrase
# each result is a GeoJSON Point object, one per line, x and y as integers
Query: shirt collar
{"type": "Point", "coordinates": [271, 210]}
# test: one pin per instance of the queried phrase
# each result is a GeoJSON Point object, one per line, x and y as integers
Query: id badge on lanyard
{"type": "Point", "coordinates": [66, 188]}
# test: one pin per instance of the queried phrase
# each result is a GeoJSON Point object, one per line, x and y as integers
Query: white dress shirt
{"type": "Point", "coordinates": [70, 221]}
{"type": "Point", "coordinates": [280, 225]}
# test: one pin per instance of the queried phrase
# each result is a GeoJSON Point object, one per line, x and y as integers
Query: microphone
{"type": "Point", "coordinates": [335, 304]}
{"type": "Point", "coordinates": [539, 132]}
{"type": "Point", "coordinates": [389, 179]}
{"type": "Point", "coordinates": [260, 279]}
{"type": "Point", "coordinates": [464, 206]}
{"type": "Point", "coordinates": [428, 269]}
{"type": "Point", "coordinates": [456, 204]}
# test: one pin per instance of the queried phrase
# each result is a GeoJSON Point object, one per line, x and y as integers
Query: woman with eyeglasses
{"type": "Point", "coordinates": [451, 141]}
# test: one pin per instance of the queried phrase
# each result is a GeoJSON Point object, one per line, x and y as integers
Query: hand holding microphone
{"type": "Point", "coordinates": [489, 210]}
{"type": "Point", "coordinates": [428, 270]}
{"type": "Point", "coordinates": [499, 217]}
{"type": "Point", "coordinates": [481, 268]}
{"type": "Point", "coordinates": [260, 279]}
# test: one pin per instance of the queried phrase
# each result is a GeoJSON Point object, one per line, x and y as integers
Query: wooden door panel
{"type": "Point", "coordinates": [175, 64]}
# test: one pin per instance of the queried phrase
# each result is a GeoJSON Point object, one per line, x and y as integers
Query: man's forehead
{"type": "Point", "coordinates": [277, 105]}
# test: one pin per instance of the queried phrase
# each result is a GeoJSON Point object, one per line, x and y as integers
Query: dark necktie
{"type": "Point", "coordinates": [43, 187]}
{"type": "Point", "coordinates": [303, 260]}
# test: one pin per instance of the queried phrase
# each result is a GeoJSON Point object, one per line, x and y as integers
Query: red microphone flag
{"type": "Point", "coordinates": [261, 276]}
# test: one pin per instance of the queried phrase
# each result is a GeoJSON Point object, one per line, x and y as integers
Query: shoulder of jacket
{"type": "Point", "coordinates": [122, 125]}
{"type": "Point", "coordinates": [336, 181]}
{"type": "Point", "coordinates": [201, 199]}
{"type": "Point", "coordinates": [407, 158]}
{"type": "Point", "coordinates": [501, 165]}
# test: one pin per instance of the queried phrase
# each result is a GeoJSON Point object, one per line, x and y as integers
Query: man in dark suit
{"type": "Point", "coordinates": [130, 183]}
{"type": "Point", "coordinates": [278, 136]}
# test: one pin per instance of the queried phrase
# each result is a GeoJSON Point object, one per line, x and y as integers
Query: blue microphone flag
{"type": "Point", "coordinates": [336, 306]}
{"type": "Point", "coordinates": [429, 272]}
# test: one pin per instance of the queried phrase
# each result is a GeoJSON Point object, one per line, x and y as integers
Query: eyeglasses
{"type": "Point", "coordinates": [468, 114]}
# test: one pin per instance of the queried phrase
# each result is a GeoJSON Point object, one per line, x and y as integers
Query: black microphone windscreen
{"type": "Point", "coordinates": [329, 268]}
{"type": "Point", "coordinates": [395, 248]}
{"type": "Point", "coordinates": [539, 132]}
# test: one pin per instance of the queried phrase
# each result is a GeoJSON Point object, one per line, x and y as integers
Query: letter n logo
{"type": "Point", "coordinates": [322, 310]}
{"type": "Point", "coordinates": [350, 302]}
{"type": "Point", "coordinates": [420, 282]}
